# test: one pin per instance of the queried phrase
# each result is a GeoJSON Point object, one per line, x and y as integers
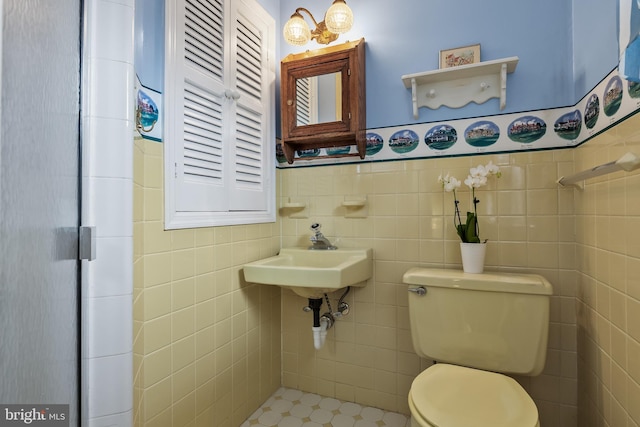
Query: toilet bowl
{"type": "Point", "coordinates": [454, 396]}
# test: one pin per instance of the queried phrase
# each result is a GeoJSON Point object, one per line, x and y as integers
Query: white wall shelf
{"type": "Point", "coordinates": [458, 86]}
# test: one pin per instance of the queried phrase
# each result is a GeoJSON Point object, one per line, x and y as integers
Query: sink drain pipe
{"type": "Point", "coordinates": [314, 305]}
{"type": "Point", "coordinates": [320, 333]}
{"type": "Point", "coordinates": [320, 323]}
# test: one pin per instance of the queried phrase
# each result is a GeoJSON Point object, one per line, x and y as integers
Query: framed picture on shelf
{"type": "Point", "coordinates": [460, 56]}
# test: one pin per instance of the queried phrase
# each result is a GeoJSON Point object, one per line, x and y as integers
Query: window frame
{"type": "Point", "coordinates": [176, 217]}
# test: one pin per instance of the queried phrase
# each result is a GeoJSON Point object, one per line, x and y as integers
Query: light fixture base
{"type": "Point", "coordinates": [322, 35]}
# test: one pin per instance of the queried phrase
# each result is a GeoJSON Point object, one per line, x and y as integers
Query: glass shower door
{"type": "Point", "coordinates": [39, 203]}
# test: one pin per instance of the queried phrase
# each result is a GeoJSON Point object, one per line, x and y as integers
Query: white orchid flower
{"type": "Point", "coordinates": [469, 181]}
{"type": "Point", "coordinates": [451, 185]}
{"type": "Point", "coordinates": [478, 171]}
{"type": "Point", "coordinates": [477, 178]}
{"type": "Point", "coordinates": [475, 181]}
{"type": "Point", "coordinates": [493, 169]}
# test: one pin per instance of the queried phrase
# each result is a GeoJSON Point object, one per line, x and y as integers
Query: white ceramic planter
{"type": "Point", "coordinates": [473, 257]}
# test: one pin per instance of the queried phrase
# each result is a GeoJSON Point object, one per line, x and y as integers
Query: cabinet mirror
{"type": "Point", "coordinates": [323, 100]}
{"type": "Point", "coordinates": [319, 99]}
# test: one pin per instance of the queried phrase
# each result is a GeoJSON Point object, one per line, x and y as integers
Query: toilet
{"type": "Point", "coordinates": [477, 328]}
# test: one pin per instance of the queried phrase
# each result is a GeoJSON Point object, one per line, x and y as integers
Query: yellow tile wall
{"type": "Point", "coordinates": [368, 357]}
{"type": "Point", "coordinates": [206, 344]}
{"type": "Point", "coordinates": [210, 348]}
{"type": "Point", "coordinates": [608, 293]}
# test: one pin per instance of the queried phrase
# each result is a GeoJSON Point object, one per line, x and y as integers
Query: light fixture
{"type": "Point", "coordinates": [337, 20]}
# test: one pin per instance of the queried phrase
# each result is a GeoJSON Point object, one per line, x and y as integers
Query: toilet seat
{"type": "Point", "coordinates": [455, 396]}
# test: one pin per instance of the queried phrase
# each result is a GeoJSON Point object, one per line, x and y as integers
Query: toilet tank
{"type": "Point", "coordinates": [492, 321]}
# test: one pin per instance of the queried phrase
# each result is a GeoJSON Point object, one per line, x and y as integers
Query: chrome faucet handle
{"type": "Point", "coordinates": [318, 239]}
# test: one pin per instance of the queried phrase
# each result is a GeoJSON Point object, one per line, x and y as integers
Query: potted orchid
{"type": "Point", "coordinates": [469, 230]}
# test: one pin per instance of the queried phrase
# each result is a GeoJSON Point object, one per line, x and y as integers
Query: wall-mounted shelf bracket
{"type": "Point", "coordinates": [458, 86]}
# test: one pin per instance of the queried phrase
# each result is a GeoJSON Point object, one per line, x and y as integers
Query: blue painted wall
{"type": "Point", "coordinates": [595, 42]}
{"type": "Point", "coordinates": [149, 43]}
{"type": "Point", "coordinates": [405, 37]}
{"type": "Point", "coordinates": [565, 48]}
{"type": "Point", "coordinates": [149, 39]}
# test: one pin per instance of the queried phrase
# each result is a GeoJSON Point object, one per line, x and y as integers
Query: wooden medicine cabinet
{"type": "Point", "coordinates": [323, 99]}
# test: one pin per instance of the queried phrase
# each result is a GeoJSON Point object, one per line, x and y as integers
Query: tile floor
{"type": "Point", "coordinates": [293, 408]}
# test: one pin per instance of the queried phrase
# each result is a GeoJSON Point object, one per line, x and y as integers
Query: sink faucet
{"type": "Point", "coordinates": [319, 242]}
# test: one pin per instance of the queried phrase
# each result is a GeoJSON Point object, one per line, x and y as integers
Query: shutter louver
{"type": "Point", "coordinates": [204, 41]}
{"type": "Point", "coordinates": [249, 150]}
{"type": "Point", "coordinates": [303, 101]}
{"type": "Point", "coordinates": [249, 62]}
{"type": "Point", "coordinates": [203, 148]}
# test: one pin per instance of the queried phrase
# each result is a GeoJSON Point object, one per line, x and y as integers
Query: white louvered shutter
{"type": "Point", "coordinates": [200, 152]}
{"type": "Point", "coordinates": [250, 127]}
{"type": "Point", "coordinates": [219, 92]}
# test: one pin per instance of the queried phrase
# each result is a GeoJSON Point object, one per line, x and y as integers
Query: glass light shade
{"type": "Point", "coordinates": [339, 18]}
{"type": "Point", "coordinates": [296, 31]}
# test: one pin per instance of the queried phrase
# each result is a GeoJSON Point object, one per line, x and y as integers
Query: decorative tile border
{"type": "Point", "coordinates": [610, 102]}
{"type": "Point", "coordinates": [148, 112]}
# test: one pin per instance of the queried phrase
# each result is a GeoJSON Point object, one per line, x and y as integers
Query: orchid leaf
{"type": "Point", "coordinates": [471, 235]}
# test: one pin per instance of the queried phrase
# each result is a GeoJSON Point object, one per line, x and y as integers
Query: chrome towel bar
{"type": "Point", "coordinates": [628, 162]}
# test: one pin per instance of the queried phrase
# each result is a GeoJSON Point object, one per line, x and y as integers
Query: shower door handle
{"type": "Point", "coordinates": [87, 243]}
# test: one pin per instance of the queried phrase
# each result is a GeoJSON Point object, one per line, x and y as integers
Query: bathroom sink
{"type": "Point", "coordinates": [312, 273]}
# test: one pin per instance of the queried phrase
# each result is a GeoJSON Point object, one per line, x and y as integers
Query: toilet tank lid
{"type": "Point", "coordinates": [488, 281]}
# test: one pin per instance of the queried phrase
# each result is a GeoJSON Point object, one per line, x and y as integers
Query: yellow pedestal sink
{"type": "Point", "coordinates": [312, 273]}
